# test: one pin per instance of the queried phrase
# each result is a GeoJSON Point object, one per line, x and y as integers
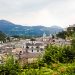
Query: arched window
{"type": "Point", "coordinates": [32, 50]}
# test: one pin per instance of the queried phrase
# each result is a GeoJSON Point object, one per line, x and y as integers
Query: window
{"type": "Point", "coordinates": [32, 50]}
{"type": "Point", "coordinates": [38, 50]}
{"type": "Point", "coordinates": [27, 47]}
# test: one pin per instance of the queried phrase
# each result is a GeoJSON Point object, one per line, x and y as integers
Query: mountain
{"type": "Point", "coordinates": [12, 29]}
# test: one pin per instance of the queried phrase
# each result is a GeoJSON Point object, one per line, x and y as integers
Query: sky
{"type": "Point", "coordinates": [38, 12]}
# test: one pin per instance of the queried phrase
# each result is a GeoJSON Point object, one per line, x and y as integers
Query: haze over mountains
{"type": "Point", "coordinates": [13, 29]}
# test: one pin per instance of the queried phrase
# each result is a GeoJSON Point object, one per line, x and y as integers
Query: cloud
{"type": "Point", "coordinates": [45, 12]}
{"type": "Point", "coordinates": [14, 6]}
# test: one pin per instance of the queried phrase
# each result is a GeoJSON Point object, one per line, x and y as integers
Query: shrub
{"type": "Point", "coordinates": [67, 54]}
{"type": "Point", "coordinates": [63, 54]}
{"type": "Point", "coordinates": [51, 54]}
{"type": "Point", "coordinates": [10, 67]}
{"type": "Point", "coordinates": [73, 44]}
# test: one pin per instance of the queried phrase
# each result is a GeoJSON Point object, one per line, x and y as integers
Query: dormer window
{"type": "Point", "coordinates": [41, 49]}
{"type": "Point", "coordinates": [37, 47]}
{"type": "Point", "coordinates": [27, 47]}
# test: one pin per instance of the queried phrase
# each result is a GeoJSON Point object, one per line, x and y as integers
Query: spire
{"type": "Point", "coordinates": [50, 35]}
{"type": "Point", "coordinates": [44, 35]}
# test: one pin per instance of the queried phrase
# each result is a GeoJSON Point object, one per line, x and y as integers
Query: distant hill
{"type": "Point", "coordinates": [13, 29]}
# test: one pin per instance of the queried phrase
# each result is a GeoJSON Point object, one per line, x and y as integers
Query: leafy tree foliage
{"type": "Point", "coordinates": [10, 67]}
{"type": "Point", "coordinates": [62, 34]}
{"type": "Point", "coordinates": [63, 54]}
{"type": "Point", "coordinates": [2, 36]}
{"type": "Point", "coordinates": [51, 54]}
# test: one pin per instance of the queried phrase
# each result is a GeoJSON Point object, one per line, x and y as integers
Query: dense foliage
{"type": "Point", "coordinates": [65, 34]}
{"type": "Point", "coordinates": [2, 36]}
{"type": "Point", "coordinates": [11, 67]}
{"type": "Point", "coordinates": [63, 54]}
{"type": "Point", "coordinates": [62, 34]}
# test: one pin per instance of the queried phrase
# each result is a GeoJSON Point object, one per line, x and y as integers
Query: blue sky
{"type": "Point", "coordinates": [38, 12]}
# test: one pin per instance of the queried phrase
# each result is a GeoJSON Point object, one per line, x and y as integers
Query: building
{"type": "Point", "coordinates": [34, 47]}
{"type": "Point", "coordinates": [71, 28]}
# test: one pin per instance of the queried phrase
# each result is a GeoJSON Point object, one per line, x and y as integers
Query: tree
{"type": "Point", "coordinates": [62, 34]}
{"type": "Point", "coordinates": [51, 54]}
{"type": "Point", "coordinates": [2, 36]}
{"type": "Point", "coordinates": [63, 54]}
{"type": "Point", "coordinates": [10, 67]}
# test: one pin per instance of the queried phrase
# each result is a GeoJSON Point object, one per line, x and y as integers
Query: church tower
{"type": "Point", "coordinates": [44, 36]}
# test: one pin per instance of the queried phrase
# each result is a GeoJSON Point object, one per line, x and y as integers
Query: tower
{"type": "Point", "coordinates": [44, 36]}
